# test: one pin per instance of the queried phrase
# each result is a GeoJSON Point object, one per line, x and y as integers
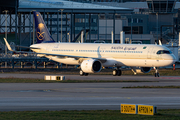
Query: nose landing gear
{"type": "Point", "coordinates": [156, 72]}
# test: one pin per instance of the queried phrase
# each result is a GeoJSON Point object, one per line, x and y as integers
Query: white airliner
{"type": "Point", "coordinates": [93, 56]}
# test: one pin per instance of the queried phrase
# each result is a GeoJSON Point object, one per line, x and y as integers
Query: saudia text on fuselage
{"type": "Point", "coordinates": [123, 48]}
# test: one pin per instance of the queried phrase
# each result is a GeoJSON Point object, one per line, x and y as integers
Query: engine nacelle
{"type": "Point", "coordinates": [145, 69]}
{"type": "Point", "coordinates": [141, 70]}
{"type": "Point", "coordinates": [91, 66]}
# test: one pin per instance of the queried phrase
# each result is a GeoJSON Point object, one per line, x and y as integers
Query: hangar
{"type": "Point", "coordinates": [64, 19]}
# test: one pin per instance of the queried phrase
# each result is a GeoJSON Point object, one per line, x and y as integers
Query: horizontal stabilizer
{"type": "Point", "coordinates": [10, 49]}
{"type": "Point", "coordinates": [26, 47]}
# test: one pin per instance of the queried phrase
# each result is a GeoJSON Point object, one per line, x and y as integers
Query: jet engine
{"type": "Point", "coordinates": [141, 70]}
{"type": "Point", "coordinates": [91, 66]}
{"type": "Point", "coordinates": [145, 69]}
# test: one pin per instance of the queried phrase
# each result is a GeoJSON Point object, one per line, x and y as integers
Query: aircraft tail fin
{"type": "Point", "coordinates": [78, 37]}
{"type": "Point", "coordinates": [42, 33]}
{"type": "Point", "coordinates": [160, 42]}
{"type": "Point", "coordinates": [8, 46]}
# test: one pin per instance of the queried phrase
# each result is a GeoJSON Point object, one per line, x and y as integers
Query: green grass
{"type": "Point", "coordinates": [28, 80]}
{"type": "Point", "coordinates": [87, 115]}
{"type": "Point", "coordinates": [153, 87]}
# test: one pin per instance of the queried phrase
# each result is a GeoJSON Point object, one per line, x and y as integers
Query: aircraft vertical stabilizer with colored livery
{"type": "Point", "coordinates": [42, 33]}
{"type": "Point", "coordinates": [92, 57]}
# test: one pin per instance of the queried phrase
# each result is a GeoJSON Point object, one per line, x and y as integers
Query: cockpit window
{"type": "Point", "coordinates": [164, 52]}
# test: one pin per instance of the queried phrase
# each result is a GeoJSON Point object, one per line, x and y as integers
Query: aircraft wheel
{"type": "Point", "coordinates": [155, 75]}
{"type": "Point", "coordinates": [158, 75]}
{"type": "Point", "coordinates": [86, 74]}
{"type": "Point", "coordinates": [81, 73]}
{"type": "Point", "coordinates": [115, 72]}
{"type": "Point", "coordinates": [119, 72]}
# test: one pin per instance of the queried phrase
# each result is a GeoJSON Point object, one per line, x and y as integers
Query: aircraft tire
{"type": "Point", "coordinates": [158, 75]}
{"type": "Point", "coordinates": [86, 74]}
{"type": "Point", "coordinates": [119, 72]}
{"type": "Point", "coordinates": [115, 72]}
{"type": "Point", "coordinates": [81, 73]}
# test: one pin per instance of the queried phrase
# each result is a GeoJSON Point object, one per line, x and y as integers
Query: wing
{"type": "Point", "coordinates": [48, 54]}
{"type": "Point", "coordinates": [76, 57]}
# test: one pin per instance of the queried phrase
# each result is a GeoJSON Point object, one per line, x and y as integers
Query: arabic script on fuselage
{"type": "Point", "coordinates": [124, 48]}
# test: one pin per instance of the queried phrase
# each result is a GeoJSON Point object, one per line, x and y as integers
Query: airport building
{"type": "Point", "coordinates": [142, 21]}
{"type": "Point", "coordinates": [65, 19]}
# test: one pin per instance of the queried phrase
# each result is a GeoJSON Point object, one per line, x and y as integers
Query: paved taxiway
{"type": "Point", "coordinates": [86, 96]}
{"type": "Point", "coordinates": [92, 77]}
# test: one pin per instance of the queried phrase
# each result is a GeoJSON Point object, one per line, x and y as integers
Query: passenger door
{"type": "Point", "coordinates": [149, 52]}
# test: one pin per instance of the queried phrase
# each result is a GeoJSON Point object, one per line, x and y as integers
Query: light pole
{"type": "Point", "coordinates": [69, 37]}
{"type": "Point", "coordinates": [157, 26]}
{"type": "Point", "coordinates": [33, 27]}
{"type": "Point", "coordinates": [131, 26]}
{"type": "Point", "coordinates": [6, 11]}
{"type": "Point", "coordinates": [61, 23]}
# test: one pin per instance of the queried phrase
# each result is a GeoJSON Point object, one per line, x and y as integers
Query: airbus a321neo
{"type": "Point", "coordinates": [93, 56]}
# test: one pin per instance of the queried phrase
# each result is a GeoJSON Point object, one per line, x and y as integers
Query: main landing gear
{"type": "Point", "coordinates": [156, 72]}
{"type": "Point", "coordinates": [117, 72]}
{"type": "Point", "coordinates": [83, 73]}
